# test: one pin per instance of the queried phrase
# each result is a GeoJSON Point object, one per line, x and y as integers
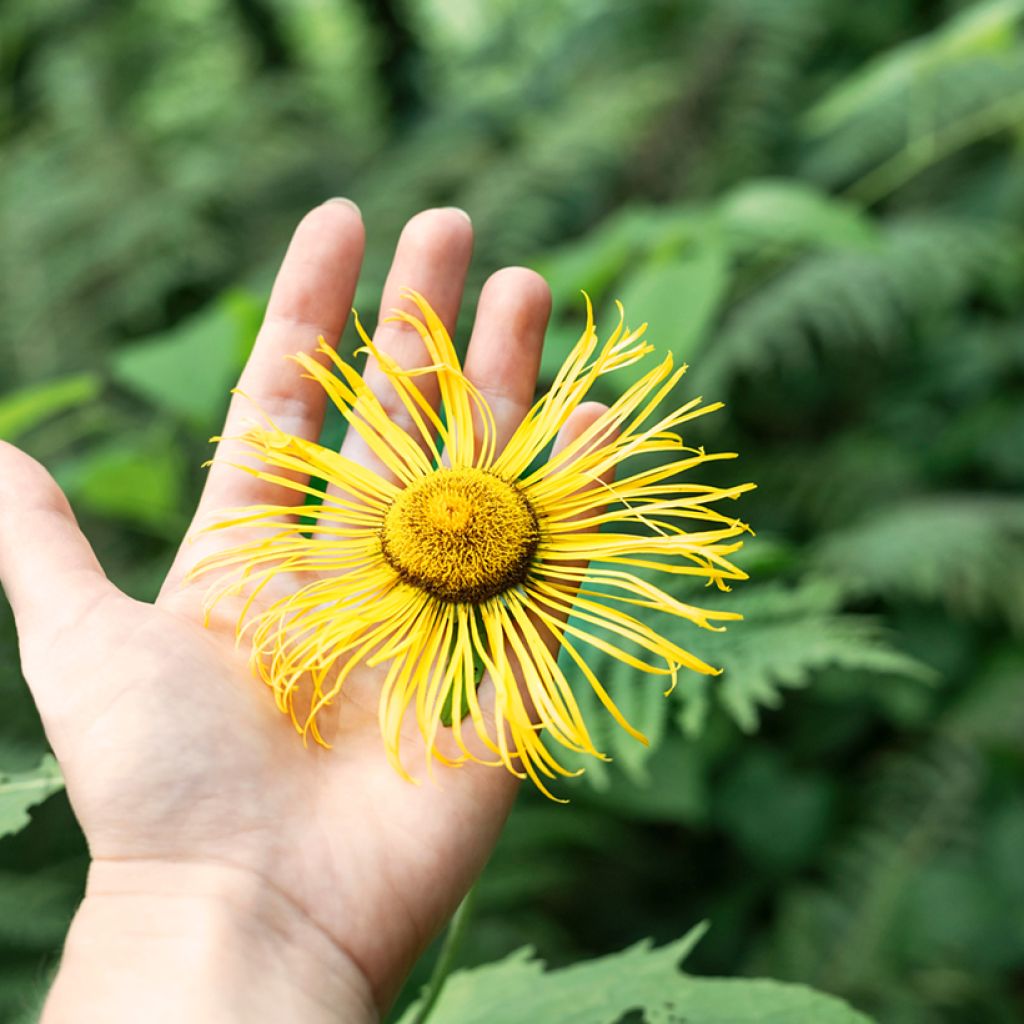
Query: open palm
{"type": "Point", "coordinates": [173, 753]}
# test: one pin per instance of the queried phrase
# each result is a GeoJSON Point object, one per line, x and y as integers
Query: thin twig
{"type": "Point", "coordinates": [446, 958]}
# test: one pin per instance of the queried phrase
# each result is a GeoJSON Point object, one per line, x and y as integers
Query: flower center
{"type": "Point", "coordinates": [463, 535]}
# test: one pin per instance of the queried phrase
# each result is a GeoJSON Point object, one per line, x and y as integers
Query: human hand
{"type": "Point", "coordinates": [235, 874]}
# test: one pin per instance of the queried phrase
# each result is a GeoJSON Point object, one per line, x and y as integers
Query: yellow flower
{"type": "Point", "coordinates": [472, 557]}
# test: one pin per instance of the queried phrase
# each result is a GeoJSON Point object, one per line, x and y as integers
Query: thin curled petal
{"type": "Point", "coordinates": [412, 580]}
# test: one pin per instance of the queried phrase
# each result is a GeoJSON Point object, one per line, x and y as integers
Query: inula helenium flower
{"type": "Point", "coordinates": [471, 558]}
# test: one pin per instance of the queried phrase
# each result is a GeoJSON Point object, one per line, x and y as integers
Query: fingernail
{"type": "Point", "coordinates": [458, 209]}
{"type": "Point", "coordinates": [341, 200]}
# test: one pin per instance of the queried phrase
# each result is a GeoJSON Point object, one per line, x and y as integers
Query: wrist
{"type": "Point", "coordinates": [199, 942]}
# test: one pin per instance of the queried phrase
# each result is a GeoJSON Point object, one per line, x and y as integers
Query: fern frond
{"type": "Point", "coordinates": [922, 99]}
{"type": "Point", "coordinates": [774, 41]}
{"type": "Point", "coordinates": [788, 635]}
{"type": "Point", "coordinates": [990, 712]}
{"type": "Point", "coordinates": [863, 300]}
{"type": "Point", "coordinates": [844, 935]}
{"type": "Point", "coordinates": [964, 551]}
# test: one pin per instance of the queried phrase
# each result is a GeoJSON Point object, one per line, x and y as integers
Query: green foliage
{"type": "Point", "coordinates": [965, 550]}
{"type": "Point", "coordinates": [788, 636]}
{"type": "Point", "coordinates": [139, 480]}
{"type": "Point", "coordinates": [817, 207]}
{"type": "Point", "coordinates": [777, 816]}
{"type": "Point", "coordinates": [35, 910]}
{"type": "Point", "coordinates": [640, 979]}
{"type": "Point", "coordinates": [188, 370]}
{"type": "Point", "coordinates": [853, 935]}
{"type": "Point", "coordinates": [22, 991]}
{"type": "Point", "coordinates": [862, 301]}
{"type": "Point", "coordinates": [31, 406]}
{"type": "Point", "coordinates": [982, 30]}
{"type": "Point", "coordinates": [784, 215]}
{"type": "Point", "coordinates": [921, 101]}
{"type": "Point", "coordinates": [21, 791]}
{"type": "Point", "coordinates": [680, 296]}
{"type": "Point", "coordinates": [990, 714]}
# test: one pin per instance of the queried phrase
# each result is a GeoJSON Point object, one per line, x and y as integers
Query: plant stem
{"type": "Point", "coordinates": [916, 157]}
{"type": "Point", "coordinates": [446, 958]}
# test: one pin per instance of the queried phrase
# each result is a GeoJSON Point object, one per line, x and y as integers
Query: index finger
{"type": "Point", "coordinates": [311, 297]}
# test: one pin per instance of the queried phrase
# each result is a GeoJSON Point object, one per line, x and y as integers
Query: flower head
{"type": "Point", "coordinates": [470, 559]}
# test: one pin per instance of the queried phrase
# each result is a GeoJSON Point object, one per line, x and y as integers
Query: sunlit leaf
{"type": "Point", "coordinates": [138, 479]}
{"type": "Point", "coordinates": [28, 407]}
{"type": "Point", "coordinates": [21, 791]}
{"type": "Point", "coordinates": [985, 29]}
{"type": "Point", "coordinates": [641, 978]}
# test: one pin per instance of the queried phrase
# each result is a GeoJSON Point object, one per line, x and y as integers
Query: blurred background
{"type": "Point", "coordinates": [818, 205]}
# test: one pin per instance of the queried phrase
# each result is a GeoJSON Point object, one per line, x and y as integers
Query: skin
{"type": "Point", "coordinates": [235, 874]}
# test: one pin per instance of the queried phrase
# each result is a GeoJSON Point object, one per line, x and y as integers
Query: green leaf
{"type": "Point", "coordinates": [858, 300]}
{"type": "Point", "coordinates": [20, 791]}
{"type": "Point", "coordinates": [36, 908]}
{"type": "Point", "coordinates": [591, 263]}
{"type": "Point", "coordinates": [447, 708]}
{"type": "Point", "coordinates": [678, 298]}
{"type": "Point", "coordinates": [676, 272]}
{"type": "Point", "coordinates": [964, 550]}
{"type": "Point", "coordinates": [644, 978]}
{"type": "Point", "coordinates": [24, 985]}
{"type": "Point", "coordinates": [28, 407]}
{"type": "Point", "coordinates": [137, 479]}
{"type": "Point", "coordinates": [784, 212]}
{"type": "Point", "coordinates": [189, 370]}
{"type": "Point", "coordinates": [777, 815]}
{"type": "Point", "coordinates": [786, 637]}
{"type": "Point", "coordinates": [983, 29]}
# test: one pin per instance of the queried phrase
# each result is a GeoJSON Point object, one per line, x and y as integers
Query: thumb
{"type": "Point", "coordinates": [47, 568]}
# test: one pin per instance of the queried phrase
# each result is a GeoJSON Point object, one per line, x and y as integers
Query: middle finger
{"type": "Point", "coordinates": [432, 257]}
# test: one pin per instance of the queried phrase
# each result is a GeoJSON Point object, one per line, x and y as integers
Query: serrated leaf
{"type": "Point", "coordinates": [761, 659]}
{"type": "Point", "coordinates": [787, 635]}
{"type": "Point", "coordinates": [28, 407]}
{"type": "Point", "coordinates": [20, 791]}
{"type": "Point", "coordinates": [642, 977]}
